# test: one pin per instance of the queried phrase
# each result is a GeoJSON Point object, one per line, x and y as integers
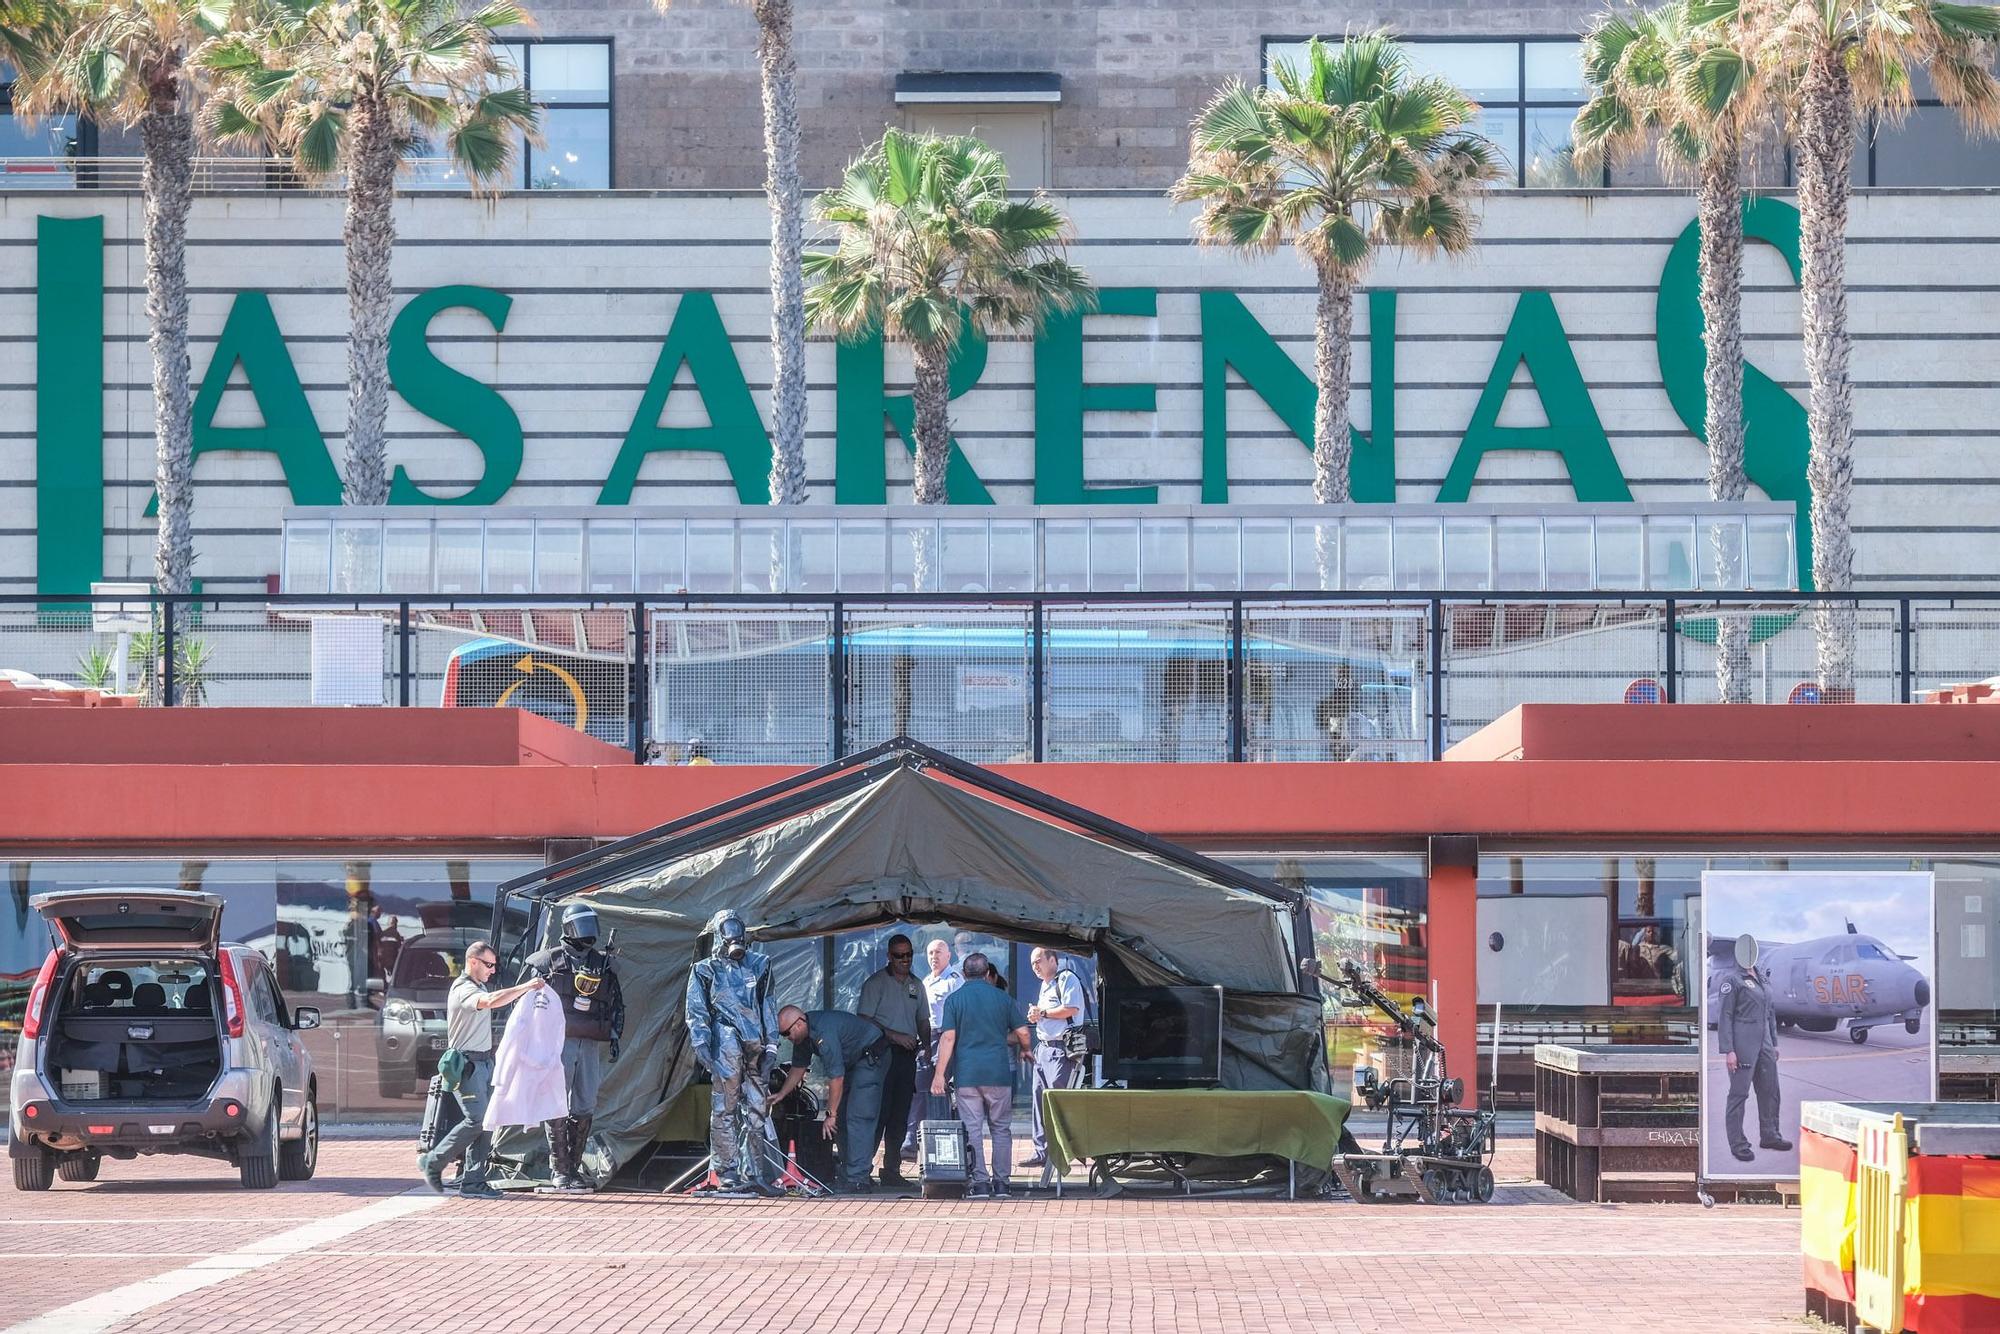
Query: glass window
{"type": "Point", "coordinates": [1267, 556]}
{"type": "Point", "coordinates": [962, 562]}
{"type": "Point", "coordinates": [1620, 561]}
{"type": "Point", "coordinates": [1528, 94]}
{"type": "Point", "coordinates": [37, 159]}
{"type": "Point", "coordinates": [1365, 553]}
{"type": "Point", "coordinates": [711, 557]}
{"type": "Point", "coordinates": [577, 155]}
{"type": "Point", "coordinates": [1770, 553]}
{"type": "Point", "coordinates": [406, 558]}
{"type": "Point", "coordinates": [1012, 555]}
{"type": "Point", "coordinates": [1368, 911]}
{"type": "Point", "coordinates": [1163, 553]}
{"type": "Point", "coordinates": [458, 557]}
{"type": "Point", "coordinates": [558, 556]}
{"type": "Point", "coordinates": [1114, 555]}
{"type": "Point", "coordinates": [1569, 554]}
{"type": "Point", "coordinates": [813, 558]}
{"type": "Point", "coordinates": [1217, 544]}
{"type": "Point", "coordinates": [611, 569]}
{"type": "Point", "coordinates": [662, 557]}
{"type": "Point", "coordinates": [862, 549]}
{"type": "Point", "coordinates": [1669, 553]}
{"type": "Point", "coordinates": [357, 557]}
{"type": "Point", "coordinates": [308, 557]}
{"type": "Point", "coordinates": [1468, 553]}
{"type": "Point", "coordinates": [1419, 561]}
{"type": "Point", "coordinates": [1517, 545]}
{"type": "Point", "coordinates": [760, 555]}
{"type": "Point", "coordinates": [510, 552]}
{"type": "Point", "coordinates": [571, 71]}
{"type": "Point", "coordinates": [1065, 555]}
{"type": "Point", "coordinates": [1316, 553]}
{"type": "Point", "coordinates": [1931, 147]}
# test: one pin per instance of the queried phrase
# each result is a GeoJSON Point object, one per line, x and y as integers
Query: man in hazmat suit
{"type": "Point", "coordinates": [732, 1025]}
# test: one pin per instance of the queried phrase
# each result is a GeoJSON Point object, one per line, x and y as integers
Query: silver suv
{"type": "Point", "coordinates": [143, 1034]}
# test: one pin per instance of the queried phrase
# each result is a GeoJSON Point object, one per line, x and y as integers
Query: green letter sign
{"type": "Point", "coordinates": [1062, 397]}
{"type": "Point", "coordinates": [1775, 436]}
{"type": "Point", "coordinates": [250, 335]}
{"type": "Point", "coordinates": [860, 467]}
{"type": "Point", "coordinates": [734, 429]}
{"type": "Point", "coordinates": [452, 398]}
{"type": "Point", "coordinates": [1231, 336]}
{"type": "Point", "coordinates": [1536, 336]}
{"type": "Point", "coordinates": [69, 403]}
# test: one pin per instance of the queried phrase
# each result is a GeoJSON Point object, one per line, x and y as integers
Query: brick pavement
{"type": "Point", "coordinates": [1080, 1265]}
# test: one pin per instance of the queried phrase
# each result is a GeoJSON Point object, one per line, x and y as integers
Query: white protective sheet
{"type": "Point", "coordinates": [528, 1086]}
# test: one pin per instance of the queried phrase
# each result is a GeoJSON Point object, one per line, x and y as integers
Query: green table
{"type": "Point", "coordinates": [1301, 1126]}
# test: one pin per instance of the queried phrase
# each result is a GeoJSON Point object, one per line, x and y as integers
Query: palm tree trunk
{"type": "Point", "coordinates": [1826, 154]}
{"type": "Point", "coordinates": [788, 309]}
{"type": "Point", "coordinates": [370, 239]}
{"type": "Point", "coordinates": [168, 182]}
{"type": "Point", "coordinates": [1719, 204]}
{"type": "Point", "coordinates": [930, 395]}
{"type": "Point", "coordinates": [1333, 358]}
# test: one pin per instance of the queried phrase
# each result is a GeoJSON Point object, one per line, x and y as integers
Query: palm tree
{"type": "Point", "coordinates": [1352, 152]}
{"type": "Point", "coordinates": [927, 241]}
{"type": "Point", "coordinates": [1681, 79]}
{"type": "Point", "coordinates": [134, 64]}
{"type": "Point", "coordinates": [354, 86]}
{"type": "Point", "coordinates": [780, 71]}
{"type": "Point", "coordinates": [1840, 59]}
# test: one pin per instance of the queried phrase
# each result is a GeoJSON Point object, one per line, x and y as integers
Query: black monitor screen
{"type": "Point", "coordinates": [1164, 1036]}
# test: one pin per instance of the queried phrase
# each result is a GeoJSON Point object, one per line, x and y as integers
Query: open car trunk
{"type": "Point", "coordinates": [113, 1041]}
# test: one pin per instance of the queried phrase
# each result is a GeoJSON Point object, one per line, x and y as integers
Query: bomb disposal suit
{"type": "Point", "coordinates": [733, 1027]}
{"type": "Point", "coordinates": [593, 1018]}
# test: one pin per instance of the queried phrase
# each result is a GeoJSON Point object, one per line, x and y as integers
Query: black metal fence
{"type": "Point", "coordinates": [795, 679]}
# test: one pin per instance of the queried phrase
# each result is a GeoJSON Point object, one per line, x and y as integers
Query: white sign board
{"type": "Point", "coordinates": [348, 657]}
{"type": "Point", "coordinates": [131, 617]}
{"type": "Point", "coordinates": [1544, 950]}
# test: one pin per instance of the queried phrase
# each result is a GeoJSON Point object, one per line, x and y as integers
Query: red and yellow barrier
{"type": "Point", "coordinates": [1827, 1215]}
{"type": "Point", "coordinates": [1951, 1245]}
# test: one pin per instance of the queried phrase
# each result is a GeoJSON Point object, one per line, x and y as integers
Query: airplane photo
{"type": "Point", "coordinates": [1821, 983]}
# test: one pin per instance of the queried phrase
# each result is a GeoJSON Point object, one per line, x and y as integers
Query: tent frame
{"type": "Point", "coordinates": [728, 820]}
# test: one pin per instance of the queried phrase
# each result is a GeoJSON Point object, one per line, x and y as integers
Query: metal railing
{"type": "Point", "coordinates": [126, 172]}
{"type": "Point", "coordinates": [800, 679]}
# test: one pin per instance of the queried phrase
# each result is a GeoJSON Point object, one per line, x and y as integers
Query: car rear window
{"type": "Point", "coordinates": [161, 987]}
{"type": "Point", "coordinates": [143, 928]}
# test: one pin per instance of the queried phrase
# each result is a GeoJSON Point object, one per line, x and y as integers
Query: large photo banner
{"type": "Point", "coordinates": [1816, 986]}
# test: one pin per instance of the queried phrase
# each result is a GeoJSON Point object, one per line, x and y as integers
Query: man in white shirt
{"type": "Point", "coordinates": [468, 1026]}
{"type": "Point", "coordinates": [944, 978]}
{"type": "Point", "coordinates": [1058, 1007]}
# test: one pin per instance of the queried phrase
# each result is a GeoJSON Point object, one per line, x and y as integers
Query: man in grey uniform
{"type": "Point", "coordinates": [1746, 1029]}
{"type": "Point", "coordinates": [1058, 1007]}
{"type": "Point", "coordinates": [853, 1055]}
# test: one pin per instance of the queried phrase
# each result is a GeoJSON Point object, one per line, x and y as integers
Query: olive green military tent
{"type": "Point", "coordinates": [903, 833]}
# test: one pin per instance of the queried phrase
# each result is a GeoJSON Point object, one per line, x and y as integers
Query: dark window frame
{"type": "Point", "coordinates": [1517, 153]}
{"type": "Point", "coordinates": [608, 105]}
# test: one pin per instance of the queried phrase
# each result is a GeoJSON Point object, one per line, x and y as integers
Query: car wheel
{"type": "Point", "coordinates": [80, 1166]}
{"type": "Point", "coordinates": [298, 1159]}
{"type": "Point", "coordinates": [34, 1171]}
{"type": "Point", "coordinates": [257, 1156]}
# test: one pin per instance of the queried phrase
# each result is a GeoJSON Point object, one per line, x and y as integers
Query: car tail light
{"type": "Point", "coordinates": [38, 996]}
{"type": "Point", "coordinates": [231, 1109]}
{"type": "Point", "coordinates": [100, 1130]}
{"type": "Point", "coordinates": [31, 1111]}
{"type": "Point", "coordinates": [232, 997]}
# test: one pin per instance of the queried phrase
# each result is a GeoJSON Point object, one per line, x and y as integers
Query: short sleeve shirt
{"type": "Point", "coordinates": [467, 1028]}
{"type": "Point", "coordinates": [1059, 993]}
{"type": "Point", "coordinates": [837, 1038]}
{"type": "Point", "coordinates": [982, 1016]}
{"type": "Point", "coordinates": [938, 986]}
{"type": "Point", "coordinates": [897, 1004]}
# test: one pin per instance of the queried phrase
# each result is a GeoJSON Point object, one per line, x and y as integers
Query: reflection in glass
{"type": "Point", "coordinates": [577, 155]}
{"type": "Point", "coordinates": [1550, 162]}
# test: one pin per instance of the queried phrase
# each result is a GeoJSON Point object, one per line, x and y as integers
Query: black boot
{"type": "Point", "coordinates": [557, 1133]}
{"type": "Point", "coordinates": [579, 1138]}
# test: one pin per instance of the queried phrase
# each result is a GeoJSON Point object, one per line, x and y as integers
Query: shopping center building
{"type": "Point", "coordinates": [581, 436]}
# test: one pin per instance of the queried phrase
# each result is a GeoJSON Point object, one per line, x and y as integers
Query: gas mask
{"type": "Point", "coordinates": [732, 940]}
